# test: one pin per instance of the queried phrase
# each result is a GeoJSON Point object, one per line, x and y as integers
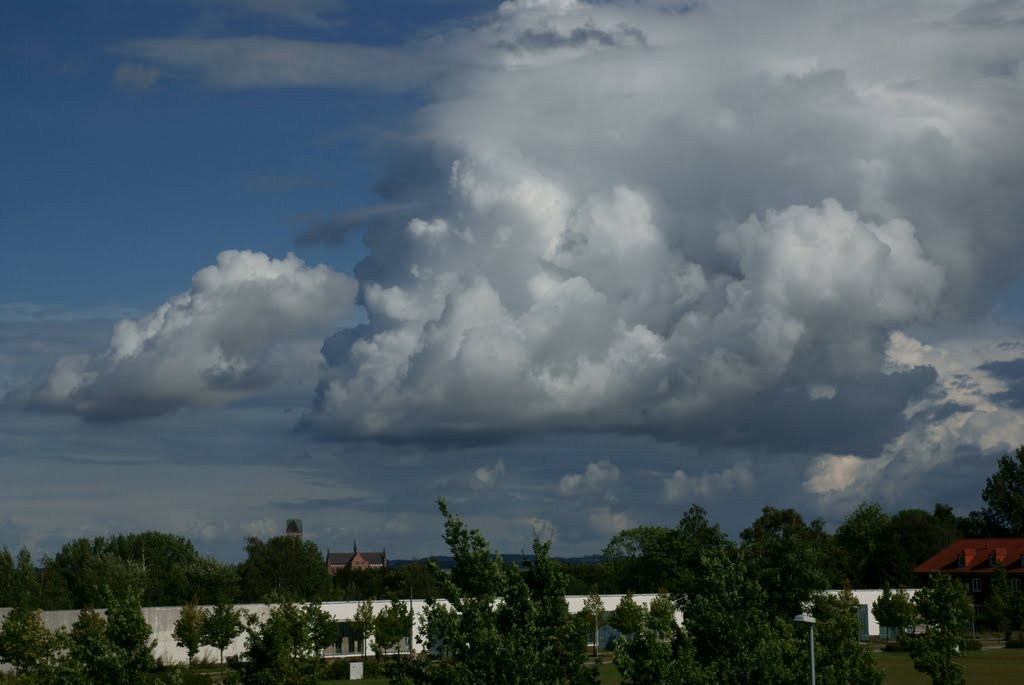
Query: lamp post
{"type": "Point", "coordinates": [808, 620]}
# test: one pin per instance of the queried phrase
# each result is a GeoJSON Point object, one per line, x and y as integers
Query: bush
{"type": "Point", "coordinates": [337, 669]}
{"type": "Point", "coordinates": [973, 645]}
{"type": "Point", "coordinates": [1015, 644]}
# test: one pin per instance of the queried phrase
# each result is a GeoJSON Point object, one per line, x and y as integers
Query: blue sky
{"type": "Point", "coordinates": [573, 266]}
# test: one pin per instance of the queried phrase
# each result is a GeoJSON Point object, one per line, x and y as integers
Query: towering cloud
{"type": "Point", "coordinates": [644, 216]}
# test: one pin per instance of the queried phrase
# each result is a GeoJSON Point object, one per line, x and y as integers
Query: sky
{"type": "Point", "coordinates": [573, 266]}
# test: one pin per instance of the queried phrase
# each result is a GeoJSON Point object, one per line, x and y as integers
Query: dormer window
{"type": "Point", "coordinates": [992, 559]}
{"type": "Point", "coordinates": [961, 560]}
{"type": "Point", "coordinates": [1021, 560]}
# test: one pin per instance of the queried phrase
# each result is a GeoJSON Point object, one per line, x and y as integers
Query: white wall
{"type": "Point", "coordinates": [162, 620]}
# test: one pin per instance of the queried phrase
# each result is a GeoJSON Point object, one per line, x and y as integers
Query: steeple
{"type": "Point", "coordinates": [354, 550]}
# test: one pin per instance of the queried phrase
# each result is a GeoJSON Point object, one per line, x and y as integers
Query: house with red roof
{"type": "Point", "coordinates": [974, 560]}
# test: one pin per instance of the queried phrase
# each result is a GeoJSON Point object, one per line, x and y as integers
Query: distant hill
{"type": "Point", "coordinates": [447, 562]}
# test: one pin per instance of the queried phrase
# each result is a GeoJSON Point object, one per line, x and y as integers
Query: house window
{"type": "Point", "coordinates": [1015, 584]}
{"type": "Point", "coordinates": [961, 560]}
{"type": "Point", "coordinates": [992, 560]}
{"type": "Point", "coordinates": [975, 584]}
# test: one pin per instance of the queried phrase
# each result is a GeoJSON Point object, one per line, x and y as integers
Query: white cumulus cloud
{"type": "Point", "coordinates": [245, 322]}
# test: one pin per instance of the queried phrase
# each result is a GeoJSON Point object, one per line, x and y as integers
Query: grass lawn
{"type": "Point", "coordinates": [983, 668]}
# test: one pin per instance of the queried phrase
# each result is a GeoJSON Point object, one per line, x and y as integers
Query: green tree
{"type": "Point", "coordinates": [593, 610]}
{"type": "Point", "coordinates": [894, 610]}
{"type": "Point", "coordinates": [285, 567]}
{"type": "Point", "coordinates": [503, 625]}
{"type": "Point", "coordinates": [661, 615]}
{"type": "Point", "coordinates": [858, 539]}
{"type": "Point", "coordinates": [6, 578]}
{"type": "Point", "coordinates": [89, 656]}
{"type": "Point", "coordinates": [841, 658]}
{"type": "Point", "coordinates": [26, 581]}
{"type": "Point", "coordinates": [1004, 493]}
{"type": "Point", "coordinates": [285, 649]}
{"type": "Point", "coordinates": [944, 609]}
{"type": "Point", "coordinates": [189, 628]}
{"type": "Point", "coordinates": [392, 625]}
{"type": "Point", "coordinates": [790, 558]}
{"type": "Point", "coordinates": [644, 659]}
{"type": "Point", "coordinates": [628, 617]}
{"type": "Point", "coordinates": [220, 628]}
{"type": "Point", "coordinates": [648, 558]}
{"type": "Point", "coordinates": [25, 643]}
{"type": "Point", "coordinates": [362, 623]}
{"type": "Point", "coordinates": [998, 608]}
{"type": "Point", "coordinates": [129, 636]}
{"type": "Point", "coordinates": [732, 609]}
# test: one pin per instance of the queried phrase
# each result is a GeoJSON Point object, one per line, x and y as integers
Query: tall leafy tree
{"type": "Point", "coordinates": [90, 658]}
{"type": "Point", "coordinates": [287, 567]}
{"type": "Point", "coordinates": [790, 558]}
{"type": "Point", "coordinates": [220, 628]}
{"type": "Point", "coordinates": [1004, 493]}
{"type": "Point", "coordinates": [26, 581]}
{"type": "Point", "coordinates": [188, 629]}
{"type": "Point", "coordinates": [7, 592]}
{"type": "Point", "coordinates": [661, 615]}
{"type": "Point", "coordinates": [362, 623]}
{"type": "Point", "coordinates": [648, 558]}
{"type": "Point", "coordinates": [285, 649]}
{"type": "Point", "coordinates": [25, 642]}
{"type": "Point", "coordinates": [628, 617]}
{"type": "Point", "coordinates": [841, 658]}
{"type": "Point", "coordinates": [998, 608]}
{"type": "Point", "coordinates": [731, 634]}
{"type": "Point", "coordinates": [392, 625]}
{"type": "Point", "coordinates": [858, 539]}
{"type": "Point", "coordinates": [503, 625]}
{"type": "Point", "coordinates": [129, 636]}
{"type": "Point", "coordinates": [894, 611]}
{"type": "Point", "coordinates": [593, 611]}
{"type": "Point", "coordinates": [944, 609]}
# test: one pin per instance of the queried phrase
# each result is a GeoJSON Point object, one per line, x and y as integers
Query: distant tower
{"type": "Point", "coordinates": [293, 528]}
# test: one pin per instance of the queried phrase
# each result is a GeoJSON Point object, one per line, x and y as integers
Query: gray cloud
{"type": "Point", "coordinates": [710, 237]}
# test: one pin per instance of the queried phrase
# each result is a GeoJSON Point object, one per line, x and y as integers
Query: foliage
{"type": "Point", "coordinates": [189, 628]}
{"type": "Point", "coordinates": [220, 628]}
{"type": "Point", "coordinates": [998, 608]}
{"type": "Point", "coordinates": [25, 643]}
{"type": "Point", "coordinates": [285, 567]}
{"type": "Point", "coordinates": [1004, 493]}
{"type": "Point", "coordinates": [647, 558]}
{"type": "Point", "coordinates": [792, 558]}
{"type": "Point", "coordinates": [362, 623]}
{"type": "Point", "coordinates": [89, 654]}
{"type": "Point", "coordinates": [7, 593]}
{"type": "Point", "coordinates": [840, 657]}
{"type": "Point", "coordinates": [593, 611]}
{"type": "Point", "coordinates": [731, 610]}
{"type": "Point", "coordinates": [527, 636]}
{"type": "Point", "coordinates": [393, 623]}
{"type": "Point", "coordinates": [661, 615]}
{"type": "Point", "coordinates": [128, 635]}
{"type": "Point", "coordinates": [895, 610]}
{"type": "Point", "coordinates": [858, 539]}
{"type": "Point", "coordinates": [644, 658]}
{"type": "Point", "coordinates": [628, 617]}
{"type": "Point", "coordinates": [944, 609]}
{"type": "Point", "coordinates": [285, 649]}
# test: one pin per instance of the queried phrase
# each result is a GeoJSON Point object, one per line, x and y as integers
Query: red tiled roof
{"type": "Point", "coordinates": [976, 555]}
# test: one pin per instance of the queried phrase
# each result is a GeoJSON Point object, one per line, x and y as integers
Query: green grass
{"type": "Point", "coordinates": [983, 668]}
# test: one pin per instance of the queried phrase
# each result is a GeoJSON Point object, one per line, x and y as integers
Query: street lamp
{"type": "Point", "coordinates": [809, 621]}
